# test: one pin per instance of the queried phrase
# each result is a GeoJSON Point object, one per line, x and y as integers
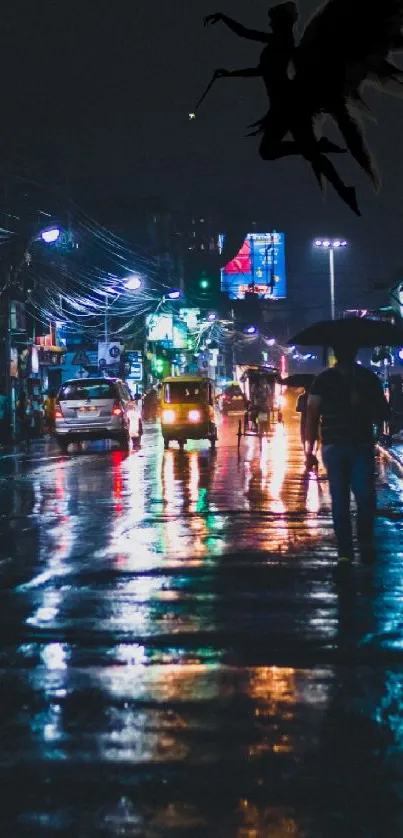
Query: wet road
{"type": "Point", "coordinates": [177, 658]}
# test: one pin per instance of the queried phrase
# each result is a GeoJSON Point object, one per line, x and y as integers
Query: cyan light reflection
{"type": "Point", "coordinates": [194, 477]}
{"type": "Point", "coordinates": [131, 654]}
{"type": "Point", "coordinates": [168, 482]}
{"type": "Point", "coordinates": [52, 676]}
{"type": "Point", "coordinates": [56, 548]}
{"type": "Point", "coordinates": [48, 609]}
{"type": "Point", "coordinates": [55, 656]}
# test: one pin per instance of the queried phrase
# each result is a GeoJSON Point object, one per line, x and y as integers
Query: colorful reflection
{"type": "Point", "coordinates": [313, 496]}
{"type": "Point", "coordinates": [117, 458]}
{"type": "Point", "coordinates": [266, 822]}
{"type": "Point", "coordinates": [279, 463]}
{"type": "Point", "coordinates": [274, 690]}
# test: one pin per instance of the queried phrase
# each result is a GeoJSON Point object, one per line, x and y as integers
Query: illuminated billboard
{"type": "Point", "coordinates": [259, 267]}
{"type": "Point", "coordinates": [159, 328]}
{"type": "Point", "coordinates": [190, 316]}
{"type": "Point", "coordinates": [179, 334]}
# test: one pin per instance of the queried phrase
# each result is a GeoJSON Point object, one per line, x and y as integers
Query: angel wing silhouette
{"type": "Point", "coordinates": [345, 46]}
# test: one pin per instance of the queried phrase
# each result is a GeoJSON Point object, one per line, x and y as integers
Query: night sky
{"type": "Point", "coordinates": [98, 94]}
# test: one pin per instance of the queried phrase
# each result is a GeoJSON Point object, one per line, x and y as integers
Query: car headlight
{"type": "Point", "coordinates": [168, 417]}
{"type": "Point", "coordinates": [194, 415]}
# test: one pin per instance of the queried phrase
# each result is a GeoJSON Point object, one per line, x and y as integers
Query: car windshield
{"type": "Point", "coordinates": [183, 391]}
{"type": "Point", "coordinates": [78, 391]}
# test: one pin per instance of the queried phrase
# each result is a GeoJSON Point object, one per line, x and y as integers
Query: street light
{"type": "Point", "coordinates": [50, 235]}
{"type": "Point", "coordinates": [132, 282]}
{"type": "Point", "coordinates": [331, 245]}
{"type": "Point", "coordinates": [175, 294]}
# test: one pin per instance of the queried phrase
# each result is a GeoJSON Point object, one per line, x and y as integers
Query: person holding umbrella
{"type": "Point", "coordinates": [347, 401]}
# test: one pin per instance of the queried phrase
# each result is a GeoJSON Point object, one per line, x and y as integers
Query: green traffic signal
{"type": "Point", "coordinates": [159, 365]}
{"type": "Point", "coordinates": [204, 281]}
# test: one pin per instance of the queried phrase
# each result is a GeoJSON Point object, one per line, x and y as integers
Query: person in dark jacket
{"type": "Point", "coordinates": [347, 403]}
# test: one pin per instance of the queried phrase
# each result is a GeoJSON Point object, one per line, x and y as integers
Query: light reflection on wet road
{"type": "Point", "coordinates": [176, 656]}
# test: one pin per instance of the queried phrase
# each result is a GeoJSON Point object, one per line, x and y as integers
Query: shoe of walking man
{"type": "Point", "coordinates": [346, 410]}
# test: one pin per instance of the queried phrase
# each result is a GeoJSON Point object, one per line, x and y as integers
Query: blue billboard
{"type": "Point", "coordinates": [259, 267]}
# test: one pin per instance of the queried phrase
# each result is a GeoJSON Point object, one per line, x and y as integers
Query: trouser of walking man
{"type": "Point", "coordinates": [351, 469]}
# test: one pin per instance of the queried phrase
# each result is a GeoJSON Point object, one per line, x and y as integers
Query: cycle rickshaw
{"type": "Point", "coordinates": [261, 386]}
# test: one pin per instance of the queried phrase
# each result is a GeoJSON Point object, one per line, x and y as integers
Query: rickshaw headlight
{"type": "Point", "coordinates": [168, 417]}
{"type": "Point", "coordinates": [194, 415]}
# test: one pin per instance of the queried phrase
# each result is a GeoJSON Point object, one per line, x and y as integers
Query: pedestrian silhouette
{"type": "Point", "coordinates": [347, 402]}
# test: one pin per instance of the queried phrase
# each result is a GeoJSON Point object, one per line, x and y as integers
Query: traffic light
{"type": "Point", "coordinates": [159, 366]}
{"type": "Point", "coordinates": [204, 282]}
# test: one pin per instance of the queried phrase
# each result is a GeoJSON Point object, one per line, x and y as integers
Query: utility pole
{"type": "Point", "coordinates": [331, 277]}
{"type": "Point", "coordinates": [106, 318]}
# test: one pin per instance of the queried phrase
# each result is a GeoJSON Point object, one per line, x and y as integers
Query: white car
{"type": "Point", "coordinates": [93, 408]}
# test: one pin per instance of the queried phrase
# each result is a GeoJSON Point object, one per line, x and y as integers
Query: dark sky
{"type": "Point", "coordinates": [102, 91]}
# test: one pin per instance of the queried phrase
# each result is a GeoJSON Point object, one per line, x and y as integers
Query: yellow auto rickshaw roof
{"type": "Point", "coordinates": [177, 378]}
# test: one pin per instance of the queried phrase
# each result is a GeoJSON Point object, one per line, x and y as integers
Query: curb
{"type": "Point", "coordinates": [14, 449]}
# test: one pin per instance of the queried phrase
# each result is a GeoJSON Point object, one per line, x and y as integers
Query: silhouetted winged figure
{"type": "Point", "coordinates": [346, 45]}
{"type": "Point", "coordinates": [275, 61]}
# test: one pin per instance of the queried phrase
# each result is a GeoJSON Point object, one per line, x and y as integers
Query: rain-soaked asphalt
{"type": "Point", "coordinates": [176, 656]}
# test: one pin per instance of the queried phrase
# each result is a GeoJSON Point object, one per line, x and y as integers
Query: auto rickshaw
{"type": "Point", "coordinates": [261, 387]}
{"type": "Point", "coordinates": [188, 410]}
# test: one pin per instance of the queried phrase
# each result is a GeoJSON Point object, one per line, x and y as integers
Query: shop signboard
{"type": "Point", "coordinates": [179, 334]}
{"type": "Point", "coordinates": [190, 317]}
{"type": "Point", "coordinates": [109, 354]}
{"type": "Point", "coordinates": [13, 362]}
{"type": "Point", "coordinates": [34, 361]}
{"type": "Point", "coordinates": [134, 366]}
{"type": "Point", "coordinates": [160, 328]}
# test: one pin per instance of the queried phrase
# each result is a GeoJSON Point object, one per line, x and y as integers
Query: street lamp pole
{"type": "Point", "coordinates": [106, 319]}
{"type": "Point", "coordinates": [331, 245]}
{"type": "Point", "coordinates": [331, 275]}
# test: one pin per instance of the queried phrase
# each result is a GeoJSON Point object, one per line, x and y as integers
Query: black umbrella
{"type": "Point", "coordinates": [299, 379]}
{"type": "Point", "coordinates": [354, 331]}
